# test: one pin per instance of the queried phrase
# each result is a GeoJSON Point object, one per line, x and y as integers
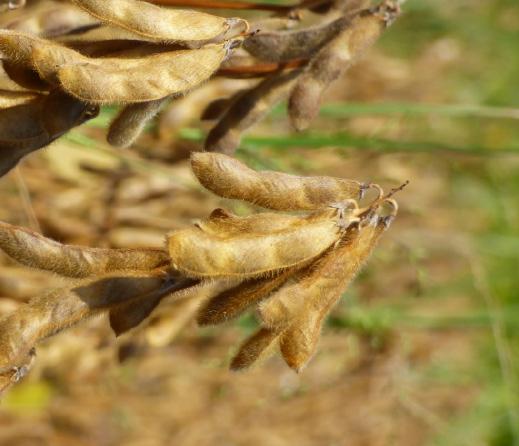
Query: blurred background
{"type": "Point", "coordinates": [423, 348]}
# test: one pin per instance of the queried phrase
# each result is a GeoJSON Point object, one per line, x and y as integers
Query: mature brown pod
{"type": "Point", "coordinates": [196, 253]}
{"type": "Point", "coordinates": [130, 80]}
{"type": "Point", "coordinates": [39, 122]}
{"type": "Point", "coordinates": [161, 24]}
{"type": "Point", "coordinates": [229, 178]}
{"type": "Point", "coordinates": [33, 250]}
{"type": "Point", "coordinates": [307, 303]}
{"type": "Point", "coordinates": [325, 280]}
{"type": "Point", "coordinates": [255, 347]}
{"type": "Point", "coordinates": [335, 58]}
{"type": "Point", "coordinates": [130, 122]}
{"type": "Point", "coordinates": [282, 46]}
{"type": "Point", "coordinates": [232, 303]}
{"type": "Point", "coordinates": [247, 109]}
{"type": "Point", "coordinates": [52, 312]}
{"type": "Point", "coordinates": [216, 108]}
{"type": "Point", "coordinates": [130, 314]}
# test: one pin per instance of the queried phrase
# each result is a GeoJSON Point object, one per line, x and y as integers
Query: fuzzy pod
{"type": "Point", "coordinates": [256, 347]}
{"type": "Point", "coordinates": [335, 58]}
{"type": "Point", "coordinates": [196, 253]}
{"type": "Point", "coordinates": [141, 79]}
{"type": "Point", "coordinates": [34, 250]}
{"type": "Point", "coordinates": [319, 292]}
{"type": "Point", "coordinates": [162, 24]}
{"type": "Point", "coordinates": [233, 302]}
{"type": "Point", "coordinates": [131, 120]}
{"type": "Point", "coordinates": [247, 108]}
{"type": "Point", "coordinates": [230, 178]}
{"type": "Point", "coordinates": [326, 279]}
{"type": "Point", "coordinates": [38, 123]}
{"type": "Point", "coordinates": [130, 314]}
{"type": "Point", "coordinates": [283, 46]}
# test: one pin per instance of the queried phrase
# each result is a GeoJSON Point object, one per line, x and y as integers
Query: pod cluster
{"type": "Point", "coordinates": [304, 62]}
{"type": "Point", "coordinates": [88, 53]}
{"type": "Point", "coordinates": [61, 62]}
{"type": "Point", "coordinates": [290, 268]}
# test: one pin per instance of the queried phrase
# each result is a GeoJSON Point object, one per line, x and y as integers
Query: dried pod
{"type": "Point", "coordinates": [325, 280]}
{"type": "Point", "coordinates": [199, 254]}
{"type": "Point", "coordinates": [130, 80]}
{"type": "Point", "coordinates": [38, 123]}
{"type": "Point", "coordinates": [247, 109]}
{"type": "Point", "coordinates": [161, 24]}
{"type": "Point", "coordinates": [232, 303]}
{"type": "Point", "coordinates": [52, 312]}
{"type": "Point", "coordinates": [335, 58]}
{"type": "Point", "coordinates": [61, 112]}
{"type": "Point", "coordinates": [320, 291]}
{"type": "Point", "coordinates": [229, 178]}
{"type": "Point", "coordinates": [33, 250]}
{"type": "Point", "coordinates": [255, 347]}
{"type": "Point", "coordinates": [130, 314]}
{"type": "Point", "coordinates": [130, 122]}
{"type": "Point", "coordinates": [299, 342]}
{"type": "Point", "coordinates": [282, 46]}
{"type": "Point", "coordinates": [217, 108]}
{"type": "Point", "coordinates": [48, 57]}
